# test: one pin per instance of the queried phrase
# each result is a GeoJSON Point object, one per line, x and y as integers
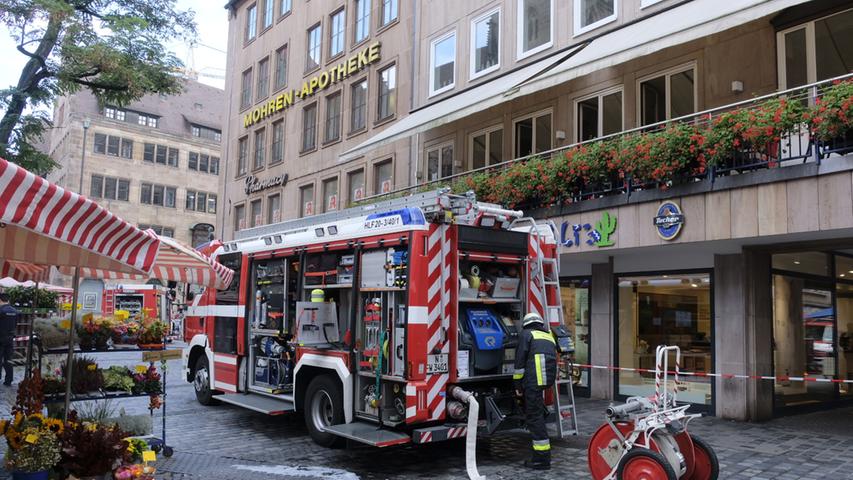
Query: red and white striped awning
{"type": "Point", "coordinates": [175, 262]}
{"type": "Point", "coordinates": [44, 224]}
{"type": "Point", "coordinates": [23, 271]}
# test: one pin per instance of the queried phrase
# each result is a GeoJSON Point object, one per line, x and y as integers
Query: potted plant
{"type": "Point", "coordinates": [33, 446]}
{"type": "Point", "coordinates": [151, 335]}
{"type": "Point", "coordinates": [831, 116]}
{"type": "Point", "coordinates": [90, 450]}
{"type": "Point", "coordinates": [86, 377]}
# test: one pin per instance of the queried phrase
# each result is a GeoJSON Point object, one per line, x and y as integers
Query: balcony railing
{"type": "Point", "coordinates": [800, 125]}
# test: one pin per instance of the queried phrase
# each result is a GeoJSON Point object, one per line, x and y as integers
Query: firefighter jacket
{"type": "Point", "coordinates": [535, 359]}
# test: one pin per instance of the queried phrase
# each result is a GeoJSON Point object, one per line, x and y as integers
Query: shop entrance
{"type": "Point", "coordinates": [576, 309]}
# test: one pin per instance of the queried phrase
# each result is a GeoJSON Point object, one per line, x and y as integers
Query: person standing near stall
{"type": "Point", "coordinates": [535, 371]}
{"type": "Point", "coordinates": [8, 325]}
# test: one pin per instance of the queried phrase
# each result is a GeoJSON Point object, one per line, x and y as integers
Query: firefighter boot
{"type": "Point", "coordinates": [539, 461]}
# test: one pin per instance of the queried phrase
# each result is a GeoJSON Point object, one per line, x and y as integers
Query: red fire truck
{"type": "Point", "coordinates": [135, 298]}
{"type": "Point", "coordinates": [368, 319]}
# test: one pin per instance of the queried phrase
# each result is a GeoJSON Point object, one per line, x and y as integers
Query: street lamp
{"type": "Point", "coordinates": [86, 124]}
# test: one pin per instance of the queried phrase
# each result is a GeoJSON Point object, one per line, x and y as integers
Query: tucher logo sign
{"type": "Point", "coordinates": [356, 63]}
{"type": "Point", "coordinates": [669, 220]}
{"type": "Point", "coordinates": [254, 184]}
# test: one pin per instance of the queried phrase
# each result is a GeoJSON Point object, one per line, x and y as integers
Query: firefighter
{"type": "Point", "coordinates": [535, 370]}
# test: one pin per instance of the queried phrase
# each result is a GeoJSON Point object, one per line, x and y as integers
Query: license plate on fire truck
{"type": "Point", "coordinates": [437, 363]}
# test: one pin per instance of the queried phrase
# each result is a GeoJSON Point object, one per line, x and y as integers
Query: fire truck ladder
{"type": "Point", "coordinates": [548, 276]}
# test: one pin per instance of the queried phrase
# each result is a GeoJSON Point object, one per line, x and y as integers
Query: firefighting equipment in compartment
{"type": "Point", "coordinates": [372, 325]}
{"type": "Point", "coordinates": [488, 334]}
{"type": "Point", "coordinates": [318, 295]}
{"type": "Point", "coordinates": [535, 371]}
{"type": "Point", "coordinates": [474, 278]}
{"type": "Point", "coordinates": [317, 323]}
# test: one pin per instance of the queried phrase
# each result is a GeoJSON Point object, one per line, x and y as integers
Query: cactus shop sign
{"type": "Point", "coordinates": [599, 235]}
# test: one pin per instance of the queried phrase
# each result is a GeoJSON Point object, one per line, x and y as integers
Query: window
{"type": "Point", "coordinates": [277, 143]}
{"type": "Point", "coordinates": [123, 190]}
{"type": "Point", "coordinates": [110, 188]}
{"type": "Point", "coordinates": [668, 95]}
{"type": "Point", "coordinates": [439, 162]}
{"type": "Point", "coordinates": [114, 113]}
{"type": "Point", "coordinates": [387, 93]}
{"type": "Point", "coordinates": [315, 39]}
{"type": "Point", "coordinates": [383, 180]}
{"type": "Point", "coordinates": [211, 203]}
{"type": "Point", "coordinates": [255, 214]}
{"type": "Point", "coordinates": [811, 52]}
{"type": "Point", "coordinates": [173, 157]}
{"type": "Point", "coordinates": [159, 230]}
{"type": "Point", "coordinates": [330, 194]}
{"type": "Point", "coordinates": [242, 155]}
{"type": "Point", "coordinates": [333, 117]}
{"type": "Point", "coordinates": [534, 26]}
{"type": "Point", "coordinates": [280, 67]}
{"type": "Point", "coordinates": [251, 22]}
{"type": "Point", "coordinates": [442, 60]}
{"type": "Point", "coordinates": [152, 194]}
{"type": "Point", "coordinates": [148, 152]}
{"type": "Point", "coordinates": [145, 194]}
{"type": "Point", "coordinates": [575, 296]}
{"type": "Point", "coordinates": [358, 112]}
{"type": "Point", "coordinates": [190, 203]}
{"type": "Point", "coordinates": [203, 163]}
{"type": "Point", "coordinates": [485, 44]}
{"type": "Point", "coordinates": [239, 217]}
{"type": "Point", "coordinates": [285, 6]}
{"type": "Point", "coordinates": [389, 11]}
{"type": "Point", "coordinates": [246, 89]}
{"type": "Point", "coordinates": [162, 153]}
{"type": "Point", "coordinates": [263, 78]}
{"type": "Point", "coordinates": [274, 208]}
{"type": "Point", "coordinates": [487, 147]}
{"type": "Point", "coordinates": [201, 201]}
{"type": "Point", "coordinates": [214, 165]}
{"type": "Point", "coordinates": [306, 201]}
{"type": "Point", "coordinates": [113, 145]}
{"type": "Point", "coordinates": [532, 134]}
{"type": "Point", "coordinates": [591, 14]}
{"type": "Point", "coordinates": [599, 115]}
{"type": "Point", "coordinates": [96, 188]}
{"type": "Point", "coordinates": [193, 161]}
{"type": "Point", "coordinates": [260, 154]}
{"type": "Point", "coordinates": [100, 143]}
{"type": "Point", "coordinates": [309, 127]}
{"type": "Point", "coordinates": [157, 192]}
{"type": "Point", "coordinates": [336, 34]}
{"type": "Point", "coordinates": [269, 6]}
{"type": "Point", "coordinates": [355, 180]}
{"type": "Point", "coordinates": [146, 120]}
{"type": "Point", "coordinates": [208, 133]}
{"type": "Point", "coordinates": [170, 198]}
{"type": "Point", "coordinates": [362, 19]}
{"type": "Point", "coordinates": [126, 148]}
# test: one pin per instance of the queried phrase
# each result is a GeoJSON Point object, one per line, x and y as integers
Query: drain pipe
{"type": "Point", "coordinates": [471, 435]}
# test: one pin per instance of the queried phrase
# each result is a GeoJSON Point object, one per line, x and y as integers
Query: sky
{"type": "Point", "coordinates": [208, 57]}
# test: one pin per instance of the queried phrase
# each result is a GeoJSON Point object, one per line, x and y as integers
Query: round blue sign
{"type": "Point", "coordinates": [669, 220]}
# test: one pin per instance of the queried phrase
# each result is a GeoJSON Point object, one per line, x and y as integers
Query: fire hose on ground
{"type": "Point", "coordinates": [471, 435]}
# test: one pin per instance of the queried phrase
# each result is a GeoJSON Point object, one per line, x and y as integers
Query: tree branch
{"type": "Point", "coordinates": [103, 86]}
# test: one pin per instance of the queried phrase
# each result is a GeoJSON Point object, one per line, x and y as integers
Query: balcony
{"type": "Point", "coordinates": [804, 127]}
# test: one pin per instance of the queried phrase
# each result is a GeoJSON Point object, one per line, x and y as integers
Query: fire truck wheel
{"type": "Point", "coordinates": [644, 464]}
{"type": "Point", "coordinates": [324, 406]}
{"type": "Point", "coordinates": [707, 465]}
{"type": "Point", "coordinates": [201, 382]}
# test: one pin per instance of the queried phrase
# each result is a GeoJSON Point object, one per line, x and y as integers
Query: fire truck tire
{"type": "Point", "coordinates": [201, 382]}
{"type": "Point", "coordinates": [644, 464]}
{"type": "Point", "coordinates": [707, 465]}
{"type": "Point", "coordinates": [324, 406]}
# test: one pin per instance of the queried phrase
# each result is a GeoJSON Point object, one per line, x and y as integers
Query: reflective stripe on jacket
{"type": "Point", "coordinates": [535, 359]}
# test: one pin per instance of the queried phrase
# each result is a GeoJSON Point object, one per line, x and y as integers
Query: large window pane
{"type": "Point", "coordinates": [255, 214]}
{"type": "Point", "coordinates": [612, 119]}
{"type": "Point", "coordinates": [260, 152]}
{"type": "Point", "coordinates": [588, 119]}
{"type": "Point", "coordinates": [274, 209]}
{"type": "Point", "coordinates": [330, 195]}
{"type": "Point", "coordinates": [356, 185]}
{"type": "Point", "coordinates": [576, 309]}
{"type": "Point", "coordinates": [523, 138]}
{"type": "Point", "coordinates": [96, 188]}
{"type": "Point", "coordinates": [535, 17]}
{"type": "Point", "coordinates": [674, 310]}
{"type": "Point", "coordinates": [592, 11]}
{"type": "Point", "coordinates": [389, 11]}
{"type": "Point", "coordinates": [359, 106]}
{"type": "Point", "coordinates": [496, 145]}
{"type": "Point", "coordinates": [309, 127]}
{"type": "Point", "coordinates": [362, 19]}
{"type": "Point", "coordinates": [796, 66]}
{"type": "Point", "coordinates": [315, 35]}
{"type": "Point", "coordinates": [333, 117]}
{"type": "Point", "coordinates": [306, 201]}
{"type": "Point", "coordinates": [478, 151]}
{"type": "Point", "coordinates": [277, 143]}
{"type": "Point", "coordinates": [833, 38]}
{"type": "Point", "coordinates": [810, 263]}
{"type": "Point", "coordinates": [336, 35]}
{"type": "Point", "coordinates": [653, 100]}
{"type": "Point", "coordinates": [110, 188]}
{"type": "Point", "coordinates": [387, 92]}
{"type": "Point", "coordinates": [382, 177]}
{"type": "Point", "coordinates": [443, 63]}
{"type": "Point", "coordinates": [246, 89]}
{"type": "Point", "coordinates": [440, 162]}
{"type": "Point", "coordinates": [263, 78]}
{"type": "Point", "coordinates": [269, 6]}
{"type": "Point", "coordinates": [239, 217]}
{"type": "Point", "coordinates": [281, 67]}
{"type": "Point", "coordinates": [486, 41]}
{"type": "Point", "coordinates": [683, 100]}
{"type": "Point", "coordinates": [251, 22]}
{"type": "Point", "coordinates": [543, 133]}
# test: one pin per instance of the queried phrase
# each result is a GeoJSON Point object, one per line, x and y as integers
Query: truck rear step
{"type": "Point", "coordinates": [260, 403]}
{"type": "Point", "coordinates": [369, 433]}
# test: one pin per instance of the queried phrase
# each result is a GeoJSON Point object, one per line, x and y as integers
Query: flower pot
{"type": "Point", "coordinates": [30, 476]}
{"type": "Point", "coordinates": [151, 346]}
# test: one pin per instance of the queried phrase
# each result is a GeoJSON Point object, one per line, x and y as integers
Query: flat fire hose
{"type": "Point", "coordinates": [471, 434]}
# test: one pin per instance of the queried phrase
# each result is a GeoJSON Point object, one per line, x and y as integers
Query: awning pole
{"type": "Point", "coordinates": [32, 325]}
{"type": "Point", "coordinates": [70, 358]}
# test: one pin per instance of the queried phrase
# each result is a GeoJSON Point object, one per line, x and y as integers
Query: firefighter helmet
{"type": "Point", "coordinates": [532, 318]}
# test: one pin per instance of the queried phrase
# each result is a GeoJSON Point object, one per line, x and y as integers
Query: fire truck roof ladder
{"type": "Point", "coordinates": [434, 205]}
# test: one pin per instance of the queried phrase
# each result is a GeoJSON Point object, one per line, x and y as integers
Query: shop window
{"type": "Point", "coordinates": [809, 263]}
{"type": "Point", "coordinates": [281, 67]}
{"type": "Point", "coordinates": [251, 22]}
{"type": "Point", "coordinates": [330, 194]}
{"type": "Point", "coordinates": [383, 177]}
{"type": "Point", "coordinates": [314, 45]}
{"type": "Point", "coordinates": [389, 11]}
{"type": "Point", "coordinates": [599, 115]}
{"type": "Point", "coordinates": [333, 117]}
{"type": "Point", "coordinates": [534, 26]}
{"type": "Point", "coordinates": [576, 314]}
{"type": "Point", "coordinates": [591, 14]}
{"type": "Point", "coordinates": [355, 181]}
{"type": "Point", "coordinates": [242, 155]}
{"type": "Point", "coordinates": [274, 208]}
{"type": "Point", "coordinates": [309, 127]}
{"type": "Point", "coordinates": [239, 218]}
{"type": "Point", "coordinates": [439, 162]}
{"type": "Point", "coordinates": [336, 33]}
{"type": "Point", "coordinates": [486, 43]}
{"type": "Point", "coordinates": [286, 6]}
{"type": "Point", "coordinates": [269, 6]}
{"type": "Point", "coordinates": [672, 309]}
{"type": "Point", "coordinates": [260, 149]}
{"type": "Point", "coordinates": [667, 95]}
{"type": "Point", "coordinates": [486, 147]}
{"type": "Point", "coordinates": [532, 134]}
{"type": "Point", "coordinates": [261, 89]}
{"type": "Point", "coordinates": [387, 93]}
{"type": "Point", "coordinates": [246, 89]}
{"type": "Point", "coordinates": [358, 113]}
{"type": "Point", "coordinates": [277, 143]}
{"type": "Point", "coordinates": [255, 218]}
{"type": "Point", "coordinates": [442, 61]}
{"type": "Point", "coordinates": [362, 19]}
{"type": "Point", "coordinates": [306, 201]}
{"type": "Point", "coordinates": [811, 52]}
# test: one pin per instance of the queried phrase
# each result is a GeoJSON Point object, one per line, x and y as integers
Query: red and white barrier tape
{"type": "Point", "coordinates": [776, 378]}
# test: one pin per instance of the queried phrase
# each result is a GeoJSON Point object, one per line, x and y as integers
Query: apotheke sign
{"type": "Point", "coordinates": [323, 80]}
{"type": "Point", "coordinates": [255, 184]}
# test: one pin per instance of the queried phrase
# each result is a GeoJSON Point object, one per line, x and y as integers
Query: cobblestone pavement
{"type": "Point", "coordinates": [225, 442]}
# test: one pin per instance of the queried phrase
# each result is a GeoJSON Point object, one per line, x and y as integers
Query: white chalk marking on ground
{"type": "Point", "coordinates": [298, 471]}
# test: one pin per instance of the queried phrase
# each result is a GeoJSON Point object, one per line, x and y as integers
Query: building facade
{"type": "Point", "coordinates": [155, 163]}
{"type": "Point", "coordinates": [753, 278]}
